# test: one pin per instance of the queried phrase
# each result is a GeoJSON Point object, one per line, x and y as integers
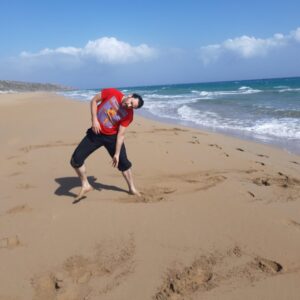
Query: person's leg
{"type": "Point", "coordinates": [85, 185]}
{"type": "Point", "coordinates": [129, 179]}
{"type": "Point", "coordinates": [124, 164]}
{"type": "Point", "coordinates": [86, 147]}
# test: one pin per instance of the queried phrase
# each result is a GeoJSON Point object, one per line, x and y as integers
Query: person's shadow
{"type": "Point", "coordinates": [66, 184]}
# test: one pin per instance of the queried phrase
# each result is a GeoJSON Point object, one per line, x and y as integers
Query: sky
{"type": "Point", "coordinates": [91, 44]}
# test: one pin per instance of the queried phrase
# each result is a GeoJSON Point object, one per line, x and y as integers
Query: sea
{"type": "Point", "coordinates": [263, 110]}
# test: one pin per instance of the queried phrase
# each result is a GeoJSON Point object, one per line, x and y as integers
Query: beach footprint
{"type": "Point", "coordinates": [151, 195]}
{"type": "Point", "coordinates": [15, 174]}
{"type": "Point", "coordinates": [267, 266]}
{"type": "Point", "coordinates": [205, 181]}
{"type": "Point", "coordinates": [232, 267]}
{"type": "Point", "coordinates": [19, 209]}
{"type": "Point", "coordinates": [281, 186]}
{"type": "Point", "coordinates": [282, 180]}
{"type": "Point", "coordinates": [80, 277]}
{"type": "Point", "coordinates": [179, 284]}
{"type": "Point", "coordinates": [194, 140]}
{"type": "Point", "coordinates": [21, 163]}
{"type": "Point", "coordinates": [293, 223]}
{"type": "Point", "coordinates": [262, 155]}
{"type": "Point", "coordinates": [216, 146]}
{"type": "Point", "coordinates": [10, 242]}
{"type": "Point", "coordinates": [29, 148]}
{"type": "Point", "coordinates": [25, 186]}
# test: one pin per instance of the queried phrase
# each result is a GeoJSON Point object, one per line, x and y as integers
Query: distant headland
{"type": "Point", "coordinates": [7, 86]}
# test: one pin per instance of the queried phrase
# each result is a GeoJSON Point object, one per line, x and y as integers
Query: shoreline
{"type": "Point", "coordinates": [218, 217]}
{"type": "Point", "coordinates": [291, 146]}
{"type": "Point", "coordinates": [293, 149]}
{"type": "Point", "coordinates": [163, 121]}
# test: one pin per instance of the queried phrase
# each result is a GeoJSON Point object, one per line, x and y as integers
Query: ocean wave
{"type": "Point", "coordinates": [281, 87]}
{"type": "Point", "coordinates": [240, 91]}
{"type": "Point", "coordinates": [82, 95]}
{"type": "Point", "coordinates": [204, 118]}
{"type": "Point", "coordinates": [283, 128]}
{"type": "Point", "coordinates": [8, 92]}
{"type": "Point", "coordinates": [201, 93]}
{"type": "Point", "coordinates": [158, 96]}
{"type": "Point", "coordinates": [289, 90]}
{"type": "Point", "coordinates": [251, 91]}
{"type": "Point", "coordinates": [272, 127]}
{"type": "Point", "coordinates": [167, 108]}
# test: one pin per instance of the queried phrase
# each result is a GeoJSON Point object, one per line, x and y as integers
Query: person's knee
{"type": "Point", "coordinates": [124, 165]}
{"type": "Point", "coordinates": [75, 163]}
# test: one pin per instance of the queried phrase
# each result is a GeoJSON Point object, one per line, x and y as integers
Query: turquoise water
{"type": "Point", "coordinates": [265, 110]}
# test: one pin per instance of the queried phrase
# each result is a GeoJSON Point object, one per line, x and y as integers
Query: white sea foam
{"type": "Point", "coordinates": [160, 109]}
{"type": "Point", "coordinates": [8, 92]}
{"type": "Point", "coordinates": [289, 90]}
{"type": "Point", "coordinates": [169, 102]}
{"type": "Point", "coordinates": [204, 118]}
{"type": "Point", "coordinates": [158, 96]}
{"type": "Point", "coordinates": [240, 91]}
{"type": "Point", "coordinates": [283, 128]}
{"type": "Point", "coordinates": [251, 91]}
{"type": "Point", "coordinates": [266, 129]}
{"type": "Point", "coordinates": [201, 93]}
{"type": "Point", "coordinates": [82, 95]}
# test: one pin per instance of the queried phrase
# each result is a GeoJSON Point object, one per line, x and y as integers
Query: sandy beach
{"type": "Point", "coordinates": [219, 217]}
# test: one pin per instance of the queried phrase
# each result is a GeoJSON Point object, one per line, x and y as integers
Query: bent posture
{"type": "Point", "coordinates": [111, 113]}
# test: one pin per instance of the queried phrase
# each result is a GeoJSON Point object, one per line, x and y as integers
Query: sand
{"type": "Point", "coordinates": [218, 217]}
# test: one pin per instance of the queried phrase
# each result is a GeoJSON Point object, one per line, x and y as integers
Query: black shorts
{"type": "Point", "coordinates": [92, 142]}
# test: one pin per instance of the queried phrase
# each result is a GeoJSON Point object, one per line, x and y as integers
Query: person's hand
{"type": "Point", "coordinates": [96, 126]}
{"type": "Point", "coordinates": [115, 160]}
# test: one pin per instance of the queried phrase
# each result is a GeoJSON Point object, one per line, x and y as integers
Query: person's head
{"type": "Point", "coordinates": [133, 101]}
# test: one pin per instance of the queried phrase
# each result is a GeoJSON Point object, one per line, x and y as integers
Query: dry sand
{"type": "Point", "coordinates": [219, 217]}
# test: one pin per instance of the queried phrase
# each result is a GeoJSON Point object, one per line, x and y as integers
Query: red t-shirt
{"type": "Point", "coordinates": [111, 114]}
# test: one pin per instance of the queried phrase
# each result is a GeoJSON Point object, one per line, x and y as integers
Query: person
{"type": "Point", "coordinates": [111, 114]}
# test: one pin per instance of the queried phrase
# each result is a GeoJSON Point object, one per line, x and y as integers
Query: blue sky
{"type": "Point", "coordinates": [127, 43]}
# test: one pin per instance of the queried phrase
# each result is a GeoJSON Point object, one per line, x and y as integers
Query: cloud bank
{"type": "Point", "coordinates": [107, 61]}
{"type": "Point", "coordinates": [248, 47]}
{"type": "Point", "coordinates": [106, 50]}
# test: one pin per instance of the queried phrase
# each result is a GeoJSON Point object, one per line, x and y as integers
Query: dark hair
{"type": "Point", "coordinates": [141, 101]}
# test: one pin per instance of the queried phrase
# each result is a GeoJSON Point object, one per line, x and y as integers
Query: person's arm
{"type": "Point", "coordinates": [95, 123]}
{"type": "Point", "coordinates": [120, 141]}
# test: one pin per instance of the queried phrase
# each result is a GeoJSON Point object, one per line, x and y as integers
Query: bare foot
{"type": "Point", "coordinates": [84, 190]}
{"type": "Point", "coordinates": [135, 192]}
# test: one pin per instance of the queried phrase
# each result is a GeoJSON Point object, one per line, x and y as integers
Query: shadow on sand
{"type": "Point", "coordinates": [66, 184]}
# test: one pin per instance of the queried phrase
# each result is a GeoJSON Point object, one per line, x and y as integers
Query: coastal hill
{"type": "Point", "coordinates": [19, 86]}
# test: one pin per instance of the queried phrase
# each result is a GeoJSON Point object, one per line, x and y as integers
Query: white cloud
{"type": "Point", "coordinates": [47, 51]}
{"type": "Point", "coordinates": [110, 50]}
{"type": "Point", "coordinates": [210, 53]}
{"type": "Point", "coordinates": [296, 34]}
{"type": "Point", "coordinates": [247, 47]}
{"type": "Point", "coordinates": [107, 50]}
